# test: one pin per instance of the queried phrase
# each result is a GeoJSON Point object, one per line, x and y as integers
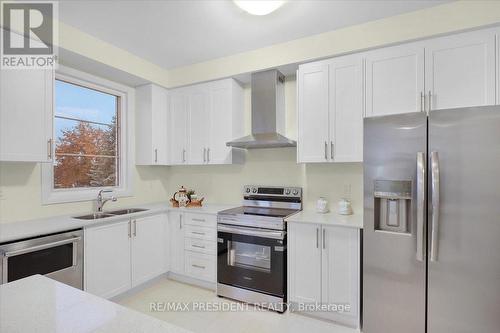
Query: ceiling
{"type": "Point", "coordinates": [178, 33]}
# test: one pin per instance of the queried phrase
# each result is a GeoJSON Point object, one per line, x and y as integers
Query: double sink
{"type": "Point", "coordinates": [102, 215]}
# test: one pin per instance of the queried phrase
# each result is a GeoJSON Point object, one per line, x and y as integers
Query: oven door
{"type": "Point", "coordinates": [253, 259]}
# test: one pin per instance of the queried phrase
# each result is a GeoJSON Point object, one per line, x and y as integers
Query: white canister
{"type": "Point", "coordinates": [322, 205]}
{"type": "Point", "coordinates": [344, 207]}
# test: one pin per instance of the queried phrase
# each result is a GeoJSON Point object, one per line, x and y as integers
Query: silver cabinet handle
{"type": "Point", "coordinates": [135, 228]}
{"type": "Point", "coordinates": [324, 241]}
{"type": "Point", "coordinates": [430, 101]}
{"type": "Point", "coordinates": [183, 155]}
{"type": "Point", "coordinates": [326, 150]}
{"type": "Point", "coordinates": [208, 155]}
{"type": "Point", "coordinates": [331, 150]}
{"type": "Point", "coordinates": [180, 221]}
{"type": "Point", "coordinates": [420, 205]}
{"type": "Point", "coordinates": [49, 149]}
{"type": "Point", "coordinates": [129, 228]}
{"type": "Point", "coordinates": [156, 155]}
{"type": "Point", "coordinates": [317, 238]}
{"type": "Point", "coordinates": [435, 205]}
{"type": "Point", "coordinates": [198, 220]}
{"type": "Point", "coordinates": [198, 266]}
{"type": "Point", "coordinates": [422, 101]}
{"type": "Point", "coordinates": [198, 233]}
{"type": "Point", "coordinates": [204, 155]}
{"type": "Point", "coordinates": [198, 246]}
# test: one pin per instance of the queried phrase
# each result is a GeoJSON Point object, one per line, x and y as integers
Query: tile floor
{"type": "Point", "coordinates": [246, 321]}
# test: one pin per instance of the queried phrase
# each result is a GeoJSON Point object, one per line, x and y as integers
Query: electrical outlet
{"type": "Point", "coordinates": [347, 191]}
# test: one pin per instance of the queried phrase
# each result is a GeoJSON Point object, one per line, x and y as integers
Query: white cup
{"type": "Point", "coordinates": [322, 205]}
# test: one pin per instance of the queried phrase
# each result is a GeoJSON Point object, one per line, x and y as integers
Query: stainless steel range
{"type": "Point", "coordinates": [251, 260]}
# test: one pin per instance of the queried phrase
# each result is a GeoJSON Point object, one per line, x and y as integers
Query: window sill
{"type": "Point", "coordinates": [78, 195]}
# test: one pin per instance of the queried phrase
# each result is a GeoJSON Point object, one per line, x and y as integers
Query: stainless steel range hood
{"type": "Point", "coordinates": [268, 113]}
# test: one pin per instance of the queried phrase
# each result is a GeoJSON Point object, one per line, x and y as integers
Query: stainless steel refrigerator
{"type": "Point", "coordinates": [431, 239]}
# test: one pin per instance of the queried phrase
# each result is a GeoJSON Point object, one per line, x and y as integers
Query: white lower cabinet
{"type": "Point", "coordinates": [148, 251]}
{"type": "Point", "coordinates": [193, 245]}
{"type": "Point", "coordinates": [107, 259]}
{"type": "Point", "coordinates": [122, 255]}
{"type": "Point", "coordinates": [324, 269]}
{"type": "Point", "coordinates": [176, 242]}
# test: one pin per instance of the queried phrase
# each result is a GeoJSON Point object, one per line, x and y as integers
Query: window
{"type": "Point", "coordinates": [90, 136]}
{"type": "Point", "coordinates": [86, 124]}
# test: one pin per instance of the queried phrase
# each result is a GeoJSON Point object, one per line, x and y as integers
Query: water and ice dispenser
{"type": "Point", "coordinates": [392, 205]}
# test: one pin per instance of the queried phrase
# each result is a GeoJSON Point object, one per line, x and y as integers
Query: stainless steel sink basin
{"type": "Point", "coordinates": [112, 213]}
{"type": "Point", "coordinates": [126, 211]}
{"type": "Point", "coordinates": [93, 216]}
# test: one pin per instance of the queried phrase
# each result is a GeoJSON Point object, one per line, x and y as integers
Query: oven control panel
{"type": "Point", "coordinates": [256, 190]}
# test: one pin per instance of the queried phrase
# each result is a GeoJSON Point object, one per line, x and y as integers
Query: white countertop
{"type": "Point", "coordinates": [40, 304]}
{"type": "Point", "coordinates": [331, 218]}
{"type": "Point", "coordinates": [24, 229]}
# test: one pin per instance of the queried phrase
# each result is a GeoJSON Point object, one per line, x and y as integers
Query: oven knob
{"type": "Point", "coordinates": [295, 192]}
{"type": "Point", "coordinates": [248, 190]}
{"type": "Point", "coordinates": [254, 190]}
{"type": "Point", "coordinates": [287, 191]}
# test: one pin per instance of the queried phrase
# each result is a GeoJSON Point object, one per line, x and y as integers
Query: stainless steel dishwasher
{"type": "Point", "coordinates": [58, 256]}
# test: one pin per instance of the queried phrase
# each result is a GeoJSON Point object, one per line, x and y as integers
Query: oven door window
{"type": "Point", "coordinates": [40, 262]}
{"type": "Point", "coordinates": [249, 256]}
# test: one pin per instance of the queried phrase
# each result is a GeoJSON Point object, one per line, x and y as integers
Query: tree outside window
{"type": "Point", "coordinates": [87, 137]}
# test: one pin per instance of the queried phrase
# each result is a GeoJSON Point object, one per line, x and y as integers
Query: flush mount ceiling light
{"type": "Point", "coordinates": [259, 7]}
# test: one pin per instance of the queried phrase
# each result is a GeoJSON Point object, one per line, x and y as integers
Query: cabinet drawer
{"type": "Point", "coordinates": [200, 232]}
{"type": "Point", "coordinates": [200, 245]}
{"type": "Point", "coordinates": [200, 266]}
{"type": "Point", "coordinates": [202, 220]}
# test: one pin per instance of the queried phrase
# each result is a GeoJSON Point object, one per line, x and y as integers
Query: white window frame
{"type": "Point", "coordinates": [50, 195]}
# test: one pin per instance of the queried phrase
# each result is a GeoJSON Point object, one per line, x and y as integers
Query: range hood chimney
{"type": "Point", "coordinates": [268, 113]}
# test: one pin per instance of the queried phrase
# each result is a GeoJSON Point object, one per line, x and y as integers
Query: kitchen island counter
{"type": "Point", "coordinates": [40, 304]}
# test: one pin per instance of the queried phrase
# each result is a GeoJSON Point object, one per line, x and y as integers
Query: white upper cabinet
{"type": "Point", "coordinates": [346, 109]}
{"type": "Point", "coordinates": [313, 119]}
{"type": "Point", "coordinates": [178, 133]}
{"type": "Point", "coordinates": [395, 80]}
{"type": "Point", "coordinates": [198, 133]}
{"type": "Point", "coordinates": [226, 121]}
{"type": "Point", "coordinates": [330, 112]}
{"type": "Point", "coordinates": [151, 125]}
{"type": "Point", "coordinates": [203, 118]}
{"type": "Point", "coordinates": [460, 70]}
{"type": "Point", "coordinates": [26, 115]}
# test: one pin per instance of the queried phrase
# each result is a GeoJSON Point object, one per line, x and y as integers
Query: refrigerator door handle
{"type": "Point", "coordinates": [420, 205]}
{"type": "Point", "coordinates": [435, 205]}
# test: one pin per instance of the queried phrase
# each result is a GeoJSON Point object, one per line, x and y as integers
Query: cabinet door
{"type": "Point", "coordinates": [460, 70]}
{"type": "Point", "coordinates": [304, 263]}
{"type": "Point", "coordinates": [313, 127]}
{"type": "Point", "coordinates": [395, 80]}
{"type": "Point", "coordinates": [107, 259]}
{"type": "Point", "coordinates": [221, 122]}
{"type": "Point", "coordinates": [198, 124]}
{"type": "Point", "coordinates": [346, 109]}
{"type": "Point", "coordinates": [148, 240]}
{"type": "Point", "coordinates": [160, 126]}
{"type": "Point", "coordinates": [178, 127]}
{"type": "Point", "coordinates": [176, 242]}
{"type": "Point", "coordinates": [340, 272]}
{"type": "Point", "coordinates": [26, 115]}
